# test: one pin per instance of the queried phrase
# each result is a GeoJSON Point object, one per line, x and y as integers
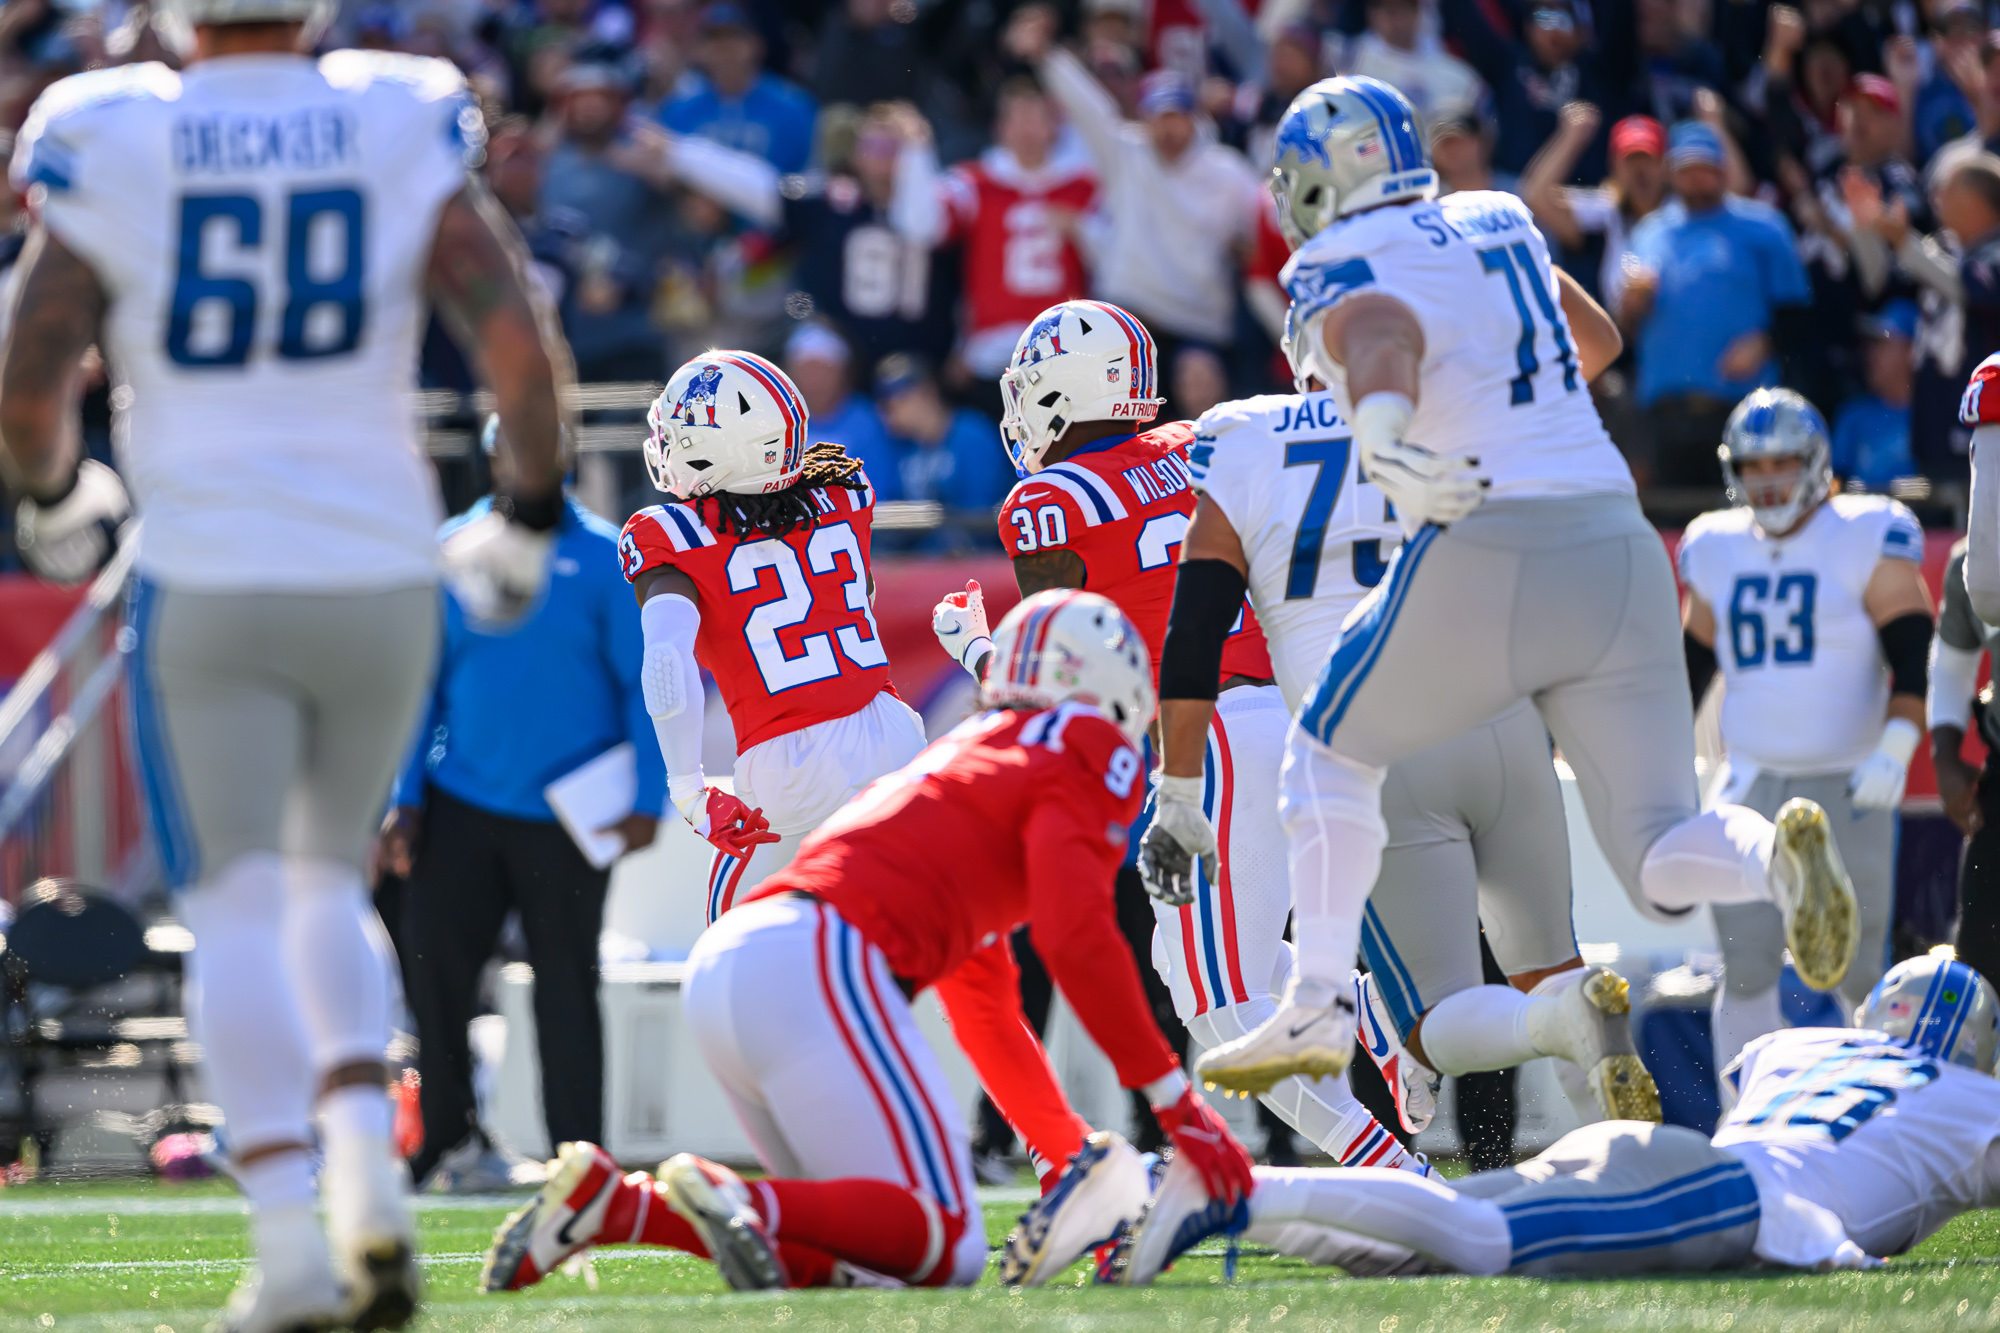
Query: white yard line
{"type": "Point", "coordinates": [165, 1205]}
{"type": "Point", "coordinates": [30, 1272]}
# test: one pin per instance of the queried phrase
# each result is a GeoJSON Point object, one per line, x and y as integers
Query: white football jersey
{"type": "Point", "coordinates": [261, 226]}
{"type": "Point", "coordinates": [1317, 536]}
{"type": "Point", "coordinates": [1849, 1135]}
{"type": "Point", "coordinates": [1806, 688]}
{"type": "Point", "coordinates": [1500, 379]}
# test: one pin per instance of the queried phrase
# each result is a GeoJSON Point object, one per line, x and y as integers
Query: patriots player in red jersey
{"type": "Point", "coordinates": [1979, 410]}
{"type": "Point", "coordinates": [759, 563]}
{"type": "Point", "coordinates": [799, 997]}
{"type": "Point", "coordinates": [1103, 505]}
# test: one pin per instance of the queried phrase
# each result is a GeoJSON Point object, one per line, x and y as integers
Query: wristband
{"type": "Point", "coordinates": [1167, 1089]}
{"type": "Point", "coordinates": [1182, 791]}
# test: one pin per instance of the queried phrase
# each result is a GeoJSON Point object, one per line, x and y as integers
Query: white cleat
{"type": "Point", "coordinates": [1180, 1216]}
{"type": "Point", "coordinates": [714, 1201]}
{"type": "Point", "coordinates": [293, 1288]}
{"type": "Point", "coordinates": [562, 1220]}
{"type": "Point", "coordinates": [374, 1239]}
{"type": "Point", "coordinates": [1413, 1083]}
{"type": "Point", "coordinates": [1822, 920]}
{"type": "Point", "coordinates": [1309, 1042]}
{"type": "Point", "coordinates": [1102, 1190]}
{"type": "Point", "coordinates": [1588, 1023]}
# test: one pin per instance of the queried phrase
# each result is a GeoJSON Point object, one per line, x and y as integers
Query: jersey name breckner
{"type": "Point", "coordinates": [307, 139]}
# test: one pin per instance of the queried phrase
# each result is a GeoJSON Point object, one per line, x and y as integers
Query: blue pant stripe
{"type": "Point", "coordinates": [1712, 1199]}
{"type": "Point", "coordinates": [1207, 896]}
{"type": "Point", "coordinates": [1354, 655]}
{"type": "Point", "coordinates": [852, 955]}
{"type": "Point", "coordinates": [180, 854]}
{"type": "Point", "coordinates": [1392, 980]}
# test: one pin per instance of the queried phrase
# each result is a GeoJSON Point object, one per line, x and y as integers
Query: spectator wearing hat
{"type": "Point", "coordinates": [952, 457]}
{"type": "Point", "coordinates": [1591, 224]}
{"type": "Point", "coordinates": [1871, 436]}
{"type": "Point", "coordinates": [1393, 50]}
{"type": "Point", "coordinates": [1532, 77]}
{"type": "Point", "coordinates": [732, 100]}
{"type": "Point", "coordinates": [1709, 273]}
{"type": "Point", "coordinates": [819, 362]}
{"type": "Point", "coordinates": [1177, 208]}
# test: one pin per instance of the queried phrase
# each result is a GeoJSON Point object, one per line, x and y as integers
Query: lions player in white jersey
{"type": "Point", "coordinates": [1452, 346]}
{"type": "Point", "coordinates": [1815, 606]}
{"type": "Point", "coordinates": [254, 243]}
{"type": "Point", "coordinates": [1845, 1145]}
{"type": "Point", "coordinates": [1475, 824]}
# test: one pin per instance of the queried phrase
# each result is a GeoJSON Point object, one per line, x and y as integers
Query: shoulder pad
{"type": "Point", "coordinates": [427, 77]}
{"type": "Point", "coordinates": [64, 118]}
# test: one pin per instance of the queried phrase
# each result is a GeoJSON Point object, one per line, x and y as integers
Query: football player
{"type": "Point", "coordinates": [1815, 607]}
{"type": "Point", "coordinates": [1980, 412]}
{"type": "Point", "coordinates": [255, 241]}
{"type": "Point", "coordinates": [1475, 825]}
{"type": "Point", "coordinates": [1459, 357]}
{"type": "Point", "coordinates": [799, 998]}
{"type": "Point", "coordinates": [759, 562]}
{"type": "Point", "coordinates": [1103, 503]}
{"type": "Point", "coordinates": [1845, 1145]}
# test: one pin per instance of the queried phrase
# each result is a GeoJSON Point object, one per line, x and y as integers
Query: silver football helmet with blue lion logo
{"type": "Point", "coordinates": [1776, 424]}
{"type": "Point", "coordinates": [1937, 1005]}
{"type": "Point", "coordinates": [1347, 144]}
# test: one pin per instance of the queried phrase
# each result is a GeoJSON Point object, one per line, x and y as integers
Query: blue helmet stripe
{"type": "Point", "coordinates": [1405, 154]}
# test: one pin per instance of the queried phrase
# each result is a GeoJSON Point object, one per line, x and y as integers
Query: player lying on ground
{"type": "Point", "coordinates": [1475, 827]}
{"type": "Point", "coordinates": [1530, 572]}
{"type": "Point", "coordinates": [1845, 1144]}
{"type": "Point", "coordinates": [760, 562]}
{"type": "Point", "coordinates": [799, 998]}
{"type": "Point", "coordinates": [1103, 504]}
{"type": "Point", "coordinates": [1815, 605]}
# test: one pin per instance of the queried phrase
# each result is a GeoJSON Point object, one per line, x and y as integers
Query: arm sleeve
{"type": "Point", "coordinates": [624, 658]}
{"type": "Point", "coordinates": [1930, 264]}
{"type": "Point", "coordinates": [1957, 626]}
{"type": "Point", "coordinates": [1089, 107]}
{"type": "Point", "coordinates": [670, 681]}
{"type": "Point", "coordinates": [1954, 679]}
{"type": "Point", "coordinates": [743, 183]}
{"type": "Point", "coordinates": [982, 1002]}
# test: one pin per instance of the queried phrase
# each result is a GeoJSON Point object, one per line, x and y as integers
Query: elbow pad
{"type": "Point", "coordinates": [1208, 596]}
{"type": "Point", "coordinates": [1906, 644]}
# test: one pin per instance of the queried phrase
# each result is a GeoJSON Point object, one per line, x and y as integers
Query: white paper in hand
{"type": "Point", "coordinates": [600, 792]}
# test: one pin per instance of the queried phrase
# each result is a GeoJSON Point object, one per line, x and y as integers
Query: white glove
{"type": "Point", "coordinates": [496, 567]}
{"type": "Point", "coordinates": [1425, 487]}
{"type": "Point", "coordinates": [1180, 835]}
{"type": "Point", "coordinates": [68, 540]}
{"type": "Point", "coordinates": [1877, 783]}
{"type": "Point", "coordinates": [959, 622]}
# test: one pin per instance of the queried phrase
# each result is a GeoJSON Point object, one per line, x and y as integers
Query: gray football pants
{"type": "Point", "coordinates": [1476, 837]}
{"type": "Point", "coordinates": [1753, 934]}
{"type": "Point", "coordinates": [274, 722]}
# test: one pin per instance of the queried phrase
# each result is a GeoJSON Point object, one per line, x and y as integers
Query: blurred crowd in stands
{"type": "Point", "coordinates": [881, 193]}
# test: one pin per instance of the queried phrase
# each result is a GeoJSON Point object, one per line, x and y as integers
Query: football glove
{"type": "Point", "coordinates": [959, 621]}
{"type": "Point", "coordinates": [1180, 835]}
{"type": "Point", "coordinates": [67, 540]}
{"type": "Point", "coordinates": [1877, 782]}
{"type": "Point", "coordinates": [1423, 486]}
{"type": "Point", "coordinates": [497, 568]}
{"type": "Point", "coordinates": [1200, 1136]}
{"type": "Point", "coordinates": [727, 823]}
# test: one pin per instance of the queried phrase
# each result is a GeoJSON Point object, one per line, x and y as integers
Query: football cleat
{"type": "Point", "coordinates": [373, 1236]}
{"type": "Point", "coordinates": [714, 1201]}
{"type": "Point", "coordinates": [1312, 1043]}
{"type": "Point", "coordinates": [1822, 921]}
{"type": "Point", "coordinates": [1413, 1084]}
{"type": "Point", "coordinates": [292, 1288]}
{"type": "Point", "coordinates": [1588, 1023]}
{"type": "Point", "coordinates": [1180, 1216]}
{"type": "Point", "coordinates": [1103, 1188]}
{"type": "Point", "coordinates": [558, 1222]}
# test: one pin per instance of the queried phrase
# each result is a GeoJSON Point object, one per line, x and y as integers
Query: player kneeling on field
{"type": "Point", "coordinates": [799, 997]}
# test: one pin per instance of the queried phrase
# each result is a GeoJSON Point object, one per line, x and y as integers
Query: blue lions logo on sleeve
{"type": "Point", "coordinates": [1295, 136]}
{"type": "Point", "coordinates": [1318, 287]}
{"type": "Point", "coordinates": [700, 392]}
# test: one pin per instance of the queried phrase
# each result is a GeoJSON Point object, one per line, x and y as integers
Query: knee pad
{"type": "Point", "coordinates": [1318, 784]}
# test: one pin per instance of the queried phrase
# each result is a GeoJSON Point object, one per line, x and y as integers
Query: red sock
{"type": "Point", "coordinates": [639, 1215]}
{"type": "Point", "coordinates": [868, 1222]}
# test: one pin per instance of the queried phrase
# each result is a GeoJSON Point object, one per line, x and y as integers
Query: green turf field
{"type": "Point", "coordinates": [160, 1260]}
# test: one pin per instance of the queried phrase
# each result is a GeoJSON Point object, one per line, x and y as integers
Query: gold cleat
{"type": "Point", "coordinates": [1822, 920]}
{"type": "Point", "coordinates": [1621, 1082]}
{"type": "Point", "coordinates": [1588, 1022]}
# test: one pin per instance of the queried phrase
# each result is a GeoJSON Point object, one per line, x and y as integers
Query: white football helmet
{"type": "Point", "coordinates": [1066, 644]}
{"type": "Point", "coordinates": [727, 421]}
{"type": "Point", "coordinates": [1939, 1006]}
{"type": "Point", "coordinates": [177, 19]}
{"type": "Point", "coordinates": [1346, 144]}
{"type": "Point", "coordinates": [1079, 361]}
{"type": "Point", "coordinates": [1777, 423]}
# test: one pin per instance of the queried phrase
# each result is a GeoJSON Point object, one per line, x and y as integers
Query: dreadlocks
{"type": "Point", "coordinates": [783, 512]}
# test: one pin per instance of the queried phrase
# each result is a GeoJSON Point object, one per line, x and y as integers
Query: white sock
{"type": "Point", "coordinates": [1720, 856]}
{"type": "Point", "coordinates": [1737, 1020]}
{"type": "Point", "coordinates": [1324, 1110]}
{"type": "Point", "coordinates": [340, 958]}
{"type": "Point", "coordinates": [1331, 808]}
{"type": "Point", "coordinates": [1481, 1027]}
{"type": "Point", "coordinates": [357, 1111]}
{"type": "Point", "coordinates": [242, 1006]}
{"type": "Point", "coordinates": [280, 1180]}
{"type": "Point", "coordinates": [1467, 1234]}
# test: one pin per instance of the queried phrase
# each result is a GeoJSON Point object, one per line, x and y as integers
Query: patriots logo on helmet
{"type": "Point", "coordinates": [700, 393]}
{"type": "Point", "coordinates": [1295, 136]}
{"type": "Point", "coordinates": [1048, 328]}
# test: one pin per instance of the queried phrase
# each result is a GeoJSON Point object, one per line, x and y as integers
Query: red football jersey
{"type": "Point", "coordinates": [786, 628]}
{"type": "Point", "coordinates": [1981, 404]}
{"type": "Point", "coordinates": [1018, 261]}
{"type": "Point", "coordinates": [1013, 818]}
{"type": "Point", "coordinates": [1122, 506]}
